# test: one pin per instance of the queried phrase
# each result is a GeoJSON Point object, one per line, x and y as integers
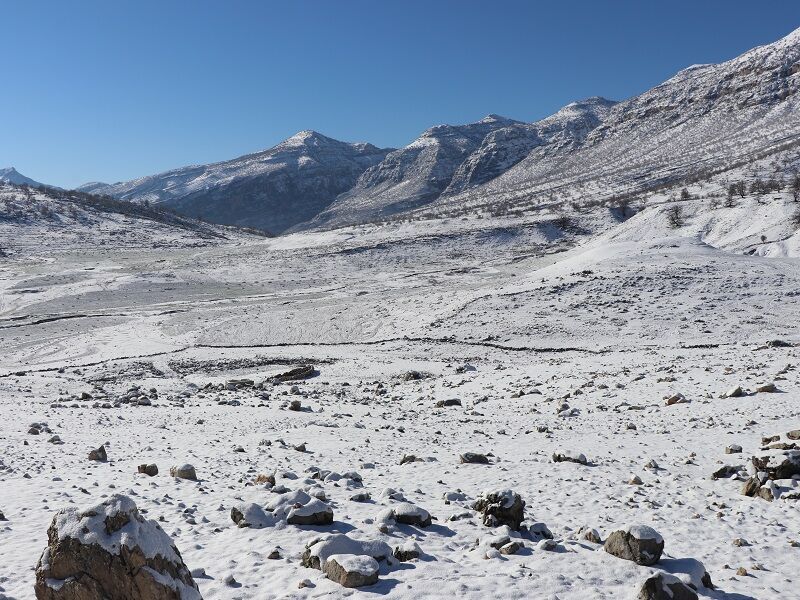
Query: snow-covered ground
{"type": "Point", "coordinates": [510, 317]}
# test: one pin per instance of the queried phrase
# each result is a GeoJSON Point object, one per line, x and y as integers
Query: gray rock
{"type": "Point", "coordinates": [639, 543]}
{"type": "Point", "coordinates": [186, 471]}
{"type": "Point", "coordinates": [501, 507]}
{"type": "Point", "coordinates": [99, 454]}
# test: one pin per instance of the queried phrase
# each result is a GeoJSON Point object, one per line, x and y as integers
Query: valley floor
{"type": "Point", "coordinates": [608, 329]}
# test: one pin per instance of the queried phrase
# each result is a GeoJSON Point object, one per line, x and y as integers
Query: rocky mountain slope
{"type": "Point", "coordinates": [270, 190]}
{"type": "Point", "coordinates": [707, 118]}
{"type": "Point", "coordinates": [447, 159]}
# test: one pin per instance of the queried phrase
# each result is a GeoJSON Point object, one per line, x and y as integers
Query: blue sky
{"type": "Point", "coordinates": [112, 90]}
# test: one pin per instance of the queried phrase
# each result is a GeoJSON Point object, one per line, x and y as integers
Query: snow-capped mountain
{"type": "Point", "coordinates": [705, 119]}
{"type": "Point", "coordinates": [271, 190]}
{"type": "Point", "coordinates": [11, 175]}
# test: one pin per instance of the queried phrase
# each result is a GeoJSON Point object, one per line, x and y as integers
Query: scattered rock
{"type": "Point", "coordinates": [302, 372]}
{"type": "Point", "coordinates": [151, 470]}
{"type": "Point", "coordinates": [570, 456]}
{"type": "Point", "coordinates": [767, 388]}
{"type": "Point", "coordinates": [185, 471]}
{"type": "Point", "coordinates": [639, 543]}
{"type": "Point", "coordinates": [351, 570]}
{"type": "Point", "coordinates": [501, 507]}
{"type": "Point", "coordinates": [99, 454]}
{"type": "Point", "coordinates": [449, 402]}
{"type": "Point", "coordinates": [474, 458]}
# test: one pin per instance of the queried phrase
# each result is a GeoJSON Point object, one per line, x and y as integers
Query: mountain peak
{"type": "Point", "coordinates": [495, 118]}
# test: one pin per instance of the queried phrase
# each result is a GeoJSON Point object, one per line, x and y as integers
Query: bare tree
{"type": "Point", "coordinates": [675, 216]}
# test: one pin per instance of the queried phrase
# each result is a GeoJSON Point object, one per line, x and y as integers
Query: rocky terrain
{"type": "Point", "coordinates": [555, 360]}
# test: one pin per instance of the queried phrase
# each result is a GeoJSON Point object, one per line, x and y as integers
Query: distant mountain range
{"type": "Point", "coordinates": [706, 118]}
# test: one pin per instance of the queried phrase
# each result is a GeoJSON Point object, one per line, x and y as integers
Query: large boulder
{"type": "Point", "coordinates": [501, 507]}
{"type": "Point", "coordinates": [110, 551]}
{"type": "Point", "coordinates": [639, 543]}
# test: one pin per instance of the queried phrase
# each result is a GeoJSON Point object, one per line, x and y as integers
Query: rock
{"type": "Point", "coordinates": [151, 470]}
{"type": "Point", "coordinates": [295, 405]}
{"type": "Point", "coordinates": [590, 535]}
{"type": "Point", "coordinates": [751, 487]}
{"type": "Point", "coordinates": [314, 512]}
{"type": "Point", "coordinates": [302, 372]}
{"type": "Point", "coordinates": [675, 399]}
{"type": "Point", "coordinates": [570, 456]}
{"type": "Point", "coordinates": [639, 543]}
{"type": "Point", "coordinates": [511, 547]}
{"type": "Point", "coordinates": [779, 344]}
{"type": "Point", "coordinates": [111, 551]}
{"type": "Point", "coordinates": [185, 471]}
{"type": "Point", "coordinates": [262, 479]}
{"type": "Point", "coordinates": [767, 388]}
{"type": "Point", "coordinates": [319, 550]}
{"type": "Point", "coordinates": [474, 458]}
{"type": "Point", "coordinates": [361, 497]}
{"type": "Point", "coordinates": [635, 480]}
{"type": "Point", "coordinates": [410, 514]}
{"type": "Point", "coordinates": [547, 544]}
{"type": "Point", "coordinates": [299, 508]}
{"type": "Point", "coordinates": [663, 586]}
{"type": "Point", "coordinates": [794, 434]}
{"type": "Point", "coordinates": [501, 507]}
{"type": "Point", "coordinates": [351, 570]}
{"type": "Point", "coordinates": [2, 516]}
{"type": "Point", "coordinates": [449, 402]}
{"type": "Point", "coordinates": [733, 449]}
{"type": "Point", "coordinates": [726, 471]}
{"type": "Point", "coordinates": [741, 572]}
{"type": "Point", "coordinates": [410, 550]}
{"type": "Point", "coordinates": [408, 458]}
{"type": "Point", "coordinates": [99, 454]}
{"type": "Point", "coordinates": [251, 515]}
{"type": "Point", "coordinates": [736, 392]}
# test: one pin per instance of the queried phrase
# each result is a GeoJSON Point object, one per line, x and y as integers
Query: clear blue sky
{"type": "Point", "coordinates": [112, 89]}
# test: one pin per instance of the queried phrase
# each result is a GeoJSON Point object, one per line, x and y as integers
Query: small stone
{"type": "Point", "coordinates": [185, 471]}
{"type": "Point", "coordinates": [151, 470]}
{"type": "Point", "coordinates": [99, 454]}
{"type": "Point", "coordinates": [474, 458]}
{"type": "Point", "coordinates": [741, 572]}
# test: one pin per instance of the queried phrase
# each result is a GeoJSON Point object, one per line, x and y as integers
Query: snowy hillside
{"type": "Point", "coordinates": [270, 190]}
{"type": "Point", "coordinates": [34, 221]}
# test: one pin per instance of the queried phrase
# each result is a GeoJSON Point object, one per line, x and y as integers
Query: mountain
{"type": "Point", "coordinates": [11, 175]}
{"type": "Point", "coordinates": [705, 119]}
{"type": "Point", "coordinates": [270, 190]}
{"type": "Point", "coordinates": [449, 159]}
